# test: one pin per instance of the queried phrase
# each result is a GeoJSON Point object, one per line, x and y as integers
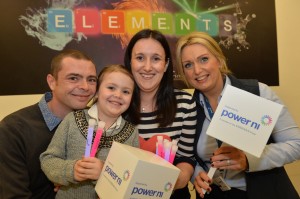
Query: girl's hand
{"type": "Point", "coordinates": [88, 168]}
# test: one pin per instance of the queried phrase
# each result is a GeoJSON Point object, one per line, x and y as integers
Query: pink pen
{"type": "Point", "coordinates": [159, 145]}
{"type": "Point", "coordinates": [97, 138]}
{"type": "Point", "coordinates": [174, 149]}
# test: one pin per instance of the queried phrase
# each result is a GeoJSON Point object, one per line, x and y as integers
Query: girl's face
{"type": "Point", "coordinates": [201, 68]}
{"type": "Point", "coordinates": [114, 95]}
{"type": "Point", "coordinates": [148, 64]}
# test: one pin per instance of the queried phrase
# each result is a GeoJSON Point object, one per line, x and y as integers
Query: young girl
{"type": "Point", "coordinates": [63, 161]}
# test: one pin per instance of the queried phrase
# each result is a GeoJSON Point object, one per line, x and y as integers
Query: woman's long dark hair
{"type": "Point", "coordinates": [165, 99]}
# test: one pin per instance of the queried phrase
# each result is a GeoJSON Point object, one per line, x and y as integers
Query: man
{"type": "Point", "coordinates": [25, 134]}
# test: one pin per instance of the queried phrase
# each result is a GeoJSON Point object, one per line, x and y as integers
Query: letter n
{"type": "Point", "coordinates": [184, 23]}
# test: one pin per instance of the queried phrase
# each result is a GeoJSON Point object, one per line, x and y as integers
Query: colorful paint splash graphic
{"type": "Point", "coordinates": [239, 38]}
{"type": "Point", "coordinates": [34, 20]}
{"type": "Point", "coordinates": [145, 5]}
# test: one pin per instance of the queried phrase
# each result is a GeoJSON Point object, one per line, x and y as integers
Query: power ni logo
{"type": "Point", "coordinates": [126, 175]}
{"type": "Point", "coordinates": [266, 120]}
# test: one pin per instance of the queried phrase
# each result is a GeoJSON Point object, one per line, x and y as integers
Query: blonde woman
{"type": "Point", "coordinates": [202, 64]}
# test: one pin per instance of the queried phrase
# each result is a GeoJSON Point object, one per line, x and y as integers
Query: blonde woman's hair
{"type": "Point", "coordinates": [205, 40]}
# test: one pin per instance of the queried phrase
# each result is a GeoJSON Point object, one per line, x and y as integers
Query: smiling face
{"type": "Point", "coordinates": [148, 64]}
{"type": "Point", "coordinates": [201, 69]}
{"type": "Point", "coordinates": [114, 95]}
{"type": "Point", "coordinates": [74, 85]}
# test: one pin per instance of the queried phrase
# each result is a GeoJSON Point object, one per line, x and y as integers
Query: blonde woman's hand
{"type": "Point", "coordinates": [229, 157]}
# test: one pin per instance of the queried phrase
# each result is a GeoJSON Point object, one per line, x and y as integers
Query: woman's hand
{"type": "Point", "coordinates": [88, 168]}
{"type": "Point", "coordinates": [228, 157]}
{"type": "Point", "coordinates": [202, 181]}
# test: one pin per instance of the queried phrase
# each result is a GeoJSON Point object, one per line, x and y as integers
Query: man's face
{"type": "Point", "coordinates": [74, 86]}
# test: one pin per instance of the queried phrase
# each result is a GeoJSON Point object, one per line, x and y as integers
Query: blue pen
{"type": "Point", "coordinates": [89, 137]}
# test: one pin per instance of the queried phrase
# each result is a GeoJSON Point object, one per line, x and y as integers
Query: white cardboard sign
{"type": "Point", "coordinates": [132, 173]}
{"type": "Point", "coordinates": [244, 120]}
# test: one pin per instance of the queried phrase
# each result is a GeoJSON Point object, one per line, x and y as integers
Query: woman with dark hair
{"type": "Point", "coordinates": [163, 110]}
